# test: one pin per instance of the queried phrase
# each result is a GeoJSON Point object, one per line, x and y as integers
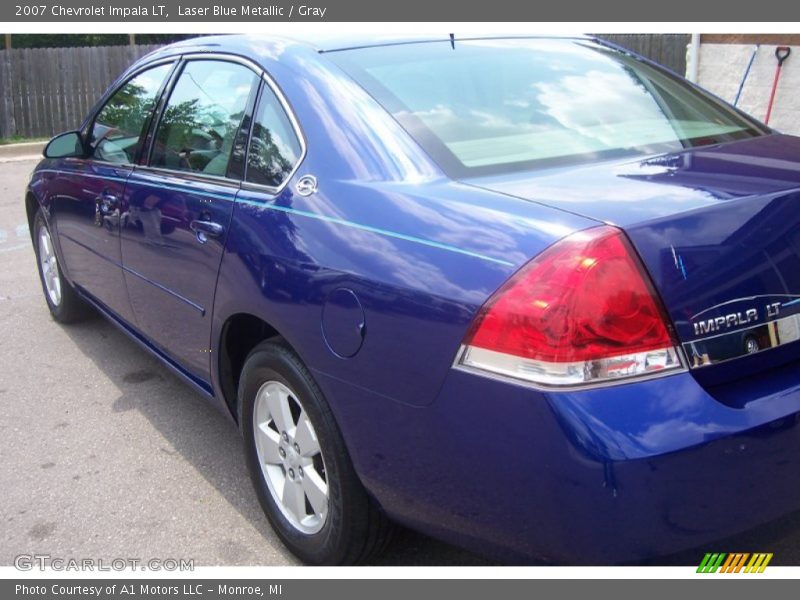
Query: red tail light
{"type": "Point", "coordinates": [582, 311]}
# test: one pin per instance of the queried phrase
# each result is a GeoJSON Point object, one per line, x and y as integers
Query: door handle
{"type": "Point", "coordinates": [206, 229]}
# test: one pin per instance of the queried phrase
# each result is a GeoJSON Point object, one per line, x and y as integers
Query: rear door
{"type": "Point", "coordinates": [180, 205]}
{"type": "Point", "coordinates": [87, 194]}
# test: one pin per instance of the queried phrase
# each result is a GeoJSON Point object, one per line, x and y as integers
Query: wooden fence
{"type": "Point", "coordinates": [44, 91]}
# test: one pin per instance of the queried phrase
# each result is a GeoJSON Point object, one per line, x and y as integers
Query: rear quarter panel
{"type": "Point", "coordinates": [421, 252]}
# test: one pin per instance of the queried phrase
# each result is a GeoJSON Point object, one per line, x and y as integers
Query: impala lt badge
{"type": "Point", "coordinates": [735, 319]}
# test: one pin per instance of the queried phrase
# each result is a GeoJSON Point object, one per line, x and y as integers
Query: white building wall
{"type": "Point", "coordinates": [721, 67]}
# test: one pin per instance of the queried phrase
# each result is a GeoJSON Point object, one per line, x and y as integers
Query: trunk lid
{"type": "Point", "coordinates": [718, 229]}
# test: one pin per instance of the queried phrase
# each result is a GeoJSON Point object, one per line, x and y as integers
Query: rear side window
{"type": "Point", "coordinates": [201, 118]}
{"type": "Point", "coordinates": [274, 146]}
{"type": "Point", "coordinates": [117, 130]}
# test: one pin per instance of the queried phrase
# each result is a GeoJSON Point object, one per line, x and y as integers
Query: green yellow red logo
{"type": "Point", "coordinates": [736, 562]}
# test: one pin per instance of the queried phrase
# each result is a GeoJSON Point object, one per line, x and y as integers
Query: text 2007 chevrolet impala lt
{"type": "Point", "coordinates": [537, 297]}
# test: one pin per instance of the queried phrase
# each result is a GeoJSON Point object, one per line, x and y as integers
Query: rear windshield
{"type": "Point", "coordinates": [481, 107]}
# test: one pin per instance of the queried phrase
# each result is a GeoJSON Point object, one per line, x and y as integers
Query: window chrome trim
{"type": "Point", "coordinates": [769, 333]}
{"type": "Point", "coordinates": [197, 176]}
{"type": "Point", "coordinates": [183, 59]}
{"type": "Point", "coordinates": [265, 79]}
{"type": "Point", "coordinates": [298, 132]}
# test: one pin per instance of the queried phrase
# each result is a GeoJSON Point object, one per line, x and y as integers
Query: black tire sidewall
{"type": "Point", "coordinates": [271, 362]}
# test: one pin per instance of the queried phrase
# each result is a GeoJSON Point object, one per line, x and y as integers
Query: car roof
{"type": "Point", "coordinates": [330, 42]}
{"type": "Point", "coordinates": [266, 50]}
{"type": "Point", "coordinates": [333, 41]}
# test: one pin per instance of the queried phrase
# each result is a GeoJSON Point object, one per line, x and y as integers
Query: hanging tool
{"type": "Point", "coordinates": [746, 73]}
{"type": "Point", "coordinates": [781, 53]}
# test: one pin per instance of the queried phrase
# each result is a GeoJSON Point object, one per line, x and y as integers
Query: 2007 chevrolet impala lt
{"type": "Point", "coordinates": [537, 297]}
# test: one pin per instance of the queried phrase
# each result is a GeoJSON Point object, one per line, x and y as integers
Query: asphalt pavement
{"type": "Point", "coordinates": [105, 454]}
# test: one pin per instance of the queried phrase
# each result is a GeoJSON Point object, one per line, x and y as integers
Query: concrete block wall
{"type": "Point", "coordinates": [721, 67]}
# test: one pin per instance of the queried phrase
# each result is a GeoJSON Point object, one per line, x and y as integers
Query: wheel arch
{"type": "Point", "coordinates": [240, 333]}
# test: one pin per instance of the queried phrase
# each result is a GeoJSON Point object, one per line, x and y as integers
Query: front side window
{"type": "Point", "coordinates": [201, 118]}
{"type": "Point", "coordinates": [489, 106]}
{"type": "Point", "coordinates": [274, 146]}
{"type": "Point", "coordinates": [118, 128]}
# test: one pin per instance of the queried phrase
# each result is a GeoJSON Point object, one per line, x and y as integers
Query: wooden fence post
{"type": "Point", "coordinates": [8, 126]}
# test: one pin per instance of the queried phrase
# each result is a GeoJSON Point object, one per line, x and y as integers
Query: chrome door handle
{"type": "Point", "coordinates": [206, 229]}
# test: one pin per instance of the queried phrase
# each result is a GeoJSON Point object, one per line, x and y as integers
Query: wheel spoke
{"type": "Point", "coordinates": [46, 244]}
{"type": "Point", "coordinates": [49, 267]}
{"type": "Point", "coordinates": [268, 444]}
{"type": "Point", "coordinates": [278, 402]}
{"type": "Point", "coordinates": [316, 490]}
{"type": "Point", "coordinates": [306, 437]}
{"type": "Point", "coordinates": [294, 500]}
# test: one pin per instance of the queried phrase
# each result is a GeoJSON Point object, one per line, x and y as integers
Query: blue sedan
{"type": "Point", "coordinates": [537, 297]}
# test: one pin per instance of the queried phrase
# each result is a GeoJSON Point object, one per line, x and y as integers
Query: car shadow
{"type": "Point", "coordinates": [211, 443]}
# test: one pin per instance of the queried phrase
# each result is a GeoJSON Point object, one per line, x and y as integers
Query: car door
{"type": "Point", "coordinates": [179, 208]}
{"type": "Point", "coordinates": [87, 194]}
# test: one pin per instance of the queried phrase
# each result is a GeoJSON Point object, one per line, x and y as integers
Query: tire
{"type": "Point", "coordinates": [278, 395]}
{"type": "Point", "coordinates": [63, 301]}
{"type": "Point", "coordinates": [751, 345]}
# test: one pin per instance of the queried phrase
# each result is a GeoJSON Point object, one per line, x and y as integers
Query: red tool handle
{"type": "Point", "coordinates": [781, 53]}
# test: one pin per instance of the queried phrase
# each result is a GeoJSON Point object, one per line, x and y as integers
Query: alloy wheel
{"type": "Point", "coordinates": [290, 457]}
{"type": "Point", "coordinates": [49, 265]}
